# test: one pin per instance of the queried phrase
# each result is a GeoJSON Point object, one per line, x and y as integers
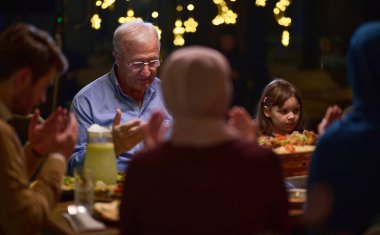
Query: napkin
{"type": "Point", "coordinates": [83, 221]}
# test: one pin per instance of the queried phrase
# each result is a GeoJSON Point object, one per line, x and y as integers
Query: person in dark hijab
{"type": "Point", "coordinates": [345, 167]}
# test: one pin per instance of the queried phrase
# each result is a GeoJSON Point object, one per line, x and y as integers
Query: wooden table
{"type": "Point", "coordinates": [58, 225]}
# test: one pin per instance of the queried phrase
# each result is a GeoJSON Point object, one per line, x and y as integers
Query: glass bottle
{"type": "Point", "coordinates": [100, 155]}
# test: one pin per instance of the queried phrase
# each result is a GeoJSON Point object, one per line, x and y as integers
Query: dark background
{"type": "Point", "coordinates": [319, 36]}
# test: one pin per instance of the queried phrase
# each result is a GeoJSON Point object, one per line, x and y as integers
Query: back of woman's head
{"type": "Point", "coordinates": [196, 83]}
{"type": "Point", "coordinates": [23, 45]}
{"type": "Point", "coordinates": [276, 93]}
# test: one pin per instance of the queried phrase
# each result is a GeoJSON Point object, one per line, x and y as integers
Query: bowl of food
{"type": "Point", "coordinates": [295, 164]}
{"type": "Point", "coordinates": [294, 150]}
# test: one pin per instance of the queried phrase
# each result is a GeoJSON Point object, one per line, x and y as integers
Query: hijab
{"type": "Point", "coordinates": [196, 86]}
{"type": "Point", "coordinates": [363, 68]}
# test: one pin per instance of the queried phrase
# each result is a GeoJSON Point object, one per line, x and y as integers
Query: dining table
{"type": "Point", "coordinates": [58, 225]}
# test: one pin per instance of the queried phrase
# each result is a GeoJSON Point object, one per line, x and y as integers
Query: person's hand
{"type": "Point", "coordinates": [41, 133]}
{"type": "Point", "coordinates": [332, 114]}
{"type": "Point", "coordinates": [66, 138]}
{"type": "Point", "coordinates": [154, 134]}
{"type": "Point", "coordinates": [240, 119]}
{"type": "Point", "coordinates": [126, 135]}
{"type": "Point", "coordinates": [53, 135]}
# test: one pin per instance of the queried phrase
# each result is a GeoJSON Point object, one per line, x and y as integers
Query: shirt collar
{"type": "Point", "coordinates": [5, 114]}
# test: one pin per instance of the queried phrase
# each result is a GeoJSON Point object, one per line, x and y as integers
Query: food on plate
{"type": "Point", "coordinates": [68, 183]}
{"type": "Point", "coordinates": [108, 211]}
{"type": "Point", "coordinates": [105, 192]}
{"type": "Point", "coordinates": [102, 191]}
{"type": "Point", "coordinates": [120, 177]}
{"type": "Point", "coordinates": [291, 143]}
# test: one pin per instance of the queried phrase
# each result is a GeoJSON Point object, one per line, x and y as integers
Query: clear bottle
{"type": "Point", "coordinates": [100, 155]}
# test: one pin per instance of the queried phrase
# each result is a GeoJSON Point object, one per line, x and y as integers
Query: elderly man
{"type": "Point", "coordinates": [29, 63]}
{"type": "Point", "coordinates": [131, 90]}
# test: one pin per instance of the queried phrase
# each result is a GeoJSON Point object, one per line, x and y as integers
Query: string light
{"type": "Point", "coordinates": [179, 40]}
{"type": "Point", "coordinates": [261, 3]}
{"type": "Point", "coordinates": [282, 20]}
{"type": "Point", "coordinates": [190, 7]}
{"type": "Point", "coordinates": [179, 8]}
{"type": "Point", "coordinates": [130, 16]}
{"type": "Point", "coordinates": [285, 38]}
{"type": "Point", "coordinates": [181, 27]}
{"type": "Point", "coordinates": [154, 14]}
{"type": "Point", "coordinates": [279, 13]}
{"type": "Point", "coordinates": [225, 14]}
{"type": "Point", "coordinates": [96, 21]}
{"type": "Point", "coordinates": [107, 3]}
{"type": "Point", "coordinates": [190, 24]}
{"type": "Point", "coordinates": [178, 27]}
{"type": "Point", "coordinates": [178, 32]}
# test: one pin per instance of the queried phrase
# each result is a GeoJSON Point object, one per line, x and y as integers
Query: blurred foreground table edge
{"type": "Point", "coordinates": [58, 225]}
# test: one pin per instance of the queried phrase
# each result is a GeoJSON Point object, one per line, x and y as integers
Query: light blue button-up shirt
{"type": "Point", "coordinates": [97, 102]}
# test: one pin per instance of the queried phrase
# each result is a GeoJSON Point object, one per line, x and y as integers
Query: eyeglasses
{"type": "Point", "coordinates": [139, 65]}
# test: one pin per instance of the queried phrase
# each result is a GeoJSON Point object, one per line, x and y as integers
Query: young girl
{"type": "Point", "coordinates": [280, 109]}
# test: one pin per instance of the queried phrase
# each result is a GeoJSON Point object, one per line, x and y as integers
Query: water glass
{"type": "Point", "coordinates": [297, 198]}
{"type": "Point", "coordinates": [84, 188]}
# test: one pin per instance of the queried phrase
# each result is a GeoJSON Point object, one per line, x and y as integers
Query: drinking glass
{"type": "Point", "coordinates": [84, 188]}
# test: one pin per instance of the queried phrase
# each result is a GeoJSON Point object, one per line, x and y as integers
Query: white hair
{"type": "Point", "coordinates": [134, 32]}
